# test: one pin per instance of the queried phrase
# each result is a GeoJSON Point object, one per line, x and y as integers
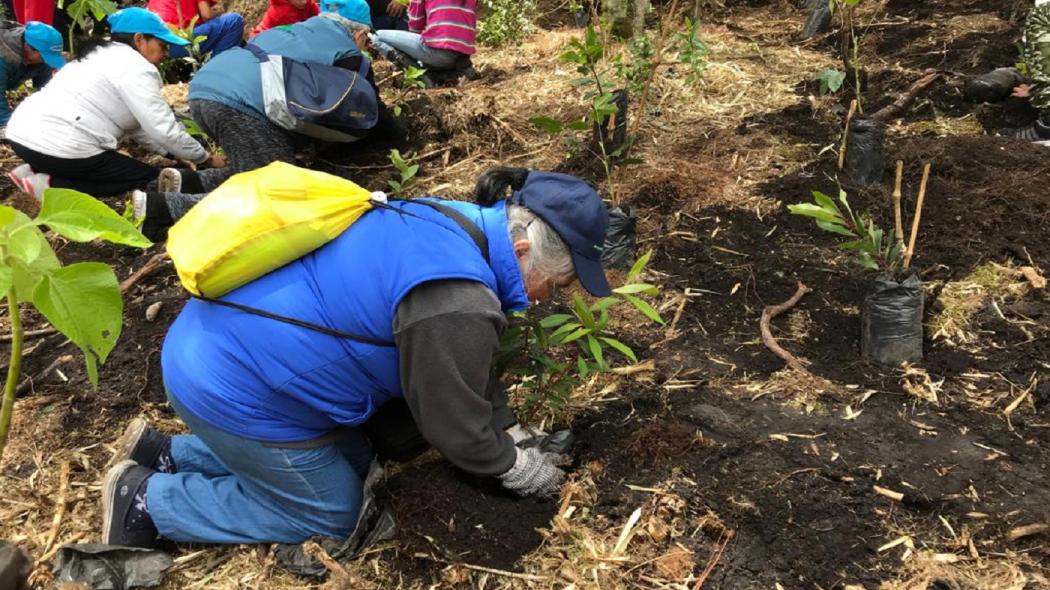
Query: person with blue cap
{"type": "Point", "coordinates": [397, 319]}
{"type": "Point", "coordinates": [26, 53]}
{"type": "Point", "coordinates": [226, 100]}
{"type": "Point", "coordinates": [68, 133]}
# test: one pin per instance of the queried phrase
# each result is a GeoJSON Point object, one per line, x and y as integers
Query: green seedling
{"type": "Point", "coordinates": [407, 171]}
{"type": "Point", "coordinates": [535, 349]}
{"type": "Point", "coordinates": [81, 300]}
{"type": "Point", "coordinates": [870, 246]}
{"type": "Point", "coordinates": [505, 22]}
{"type": "Point", "coordinates": [830, 80]}
{"type": "Point", "coordinates": [85, 13]}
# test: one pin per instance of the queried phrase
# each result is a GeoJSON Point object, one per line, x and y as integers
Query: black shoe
{"type": "Point", "coordinates": [158, 218]}
{"type": "Point", "coordinates": [125, 516]}
{"type": "Point", "coordinates": [145, 446]}
{"type": "Point", "coordinates": [1037, 131]}
{"type": "Point", "coordinates": [995, 86]}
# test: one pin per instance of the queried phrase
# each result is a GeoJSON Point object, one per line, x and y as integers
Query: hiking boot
{"type": "Point", "coordinates": [995, 86]}
{"type": "Point", "coordinates": [144, 445]}
{"type": "Point", "coordinates": [125, 510]}
{"type": "Point", "coordinates": [1035, 132]}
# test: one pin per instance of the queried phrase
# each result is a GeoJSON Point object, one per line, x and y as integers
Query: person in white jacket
{"type": "Point", "coordinates": [68, 132]}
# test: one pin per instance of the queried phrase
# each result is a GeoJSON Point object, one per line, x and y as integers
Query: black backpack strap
{"type": "Point", "coordinates": [296, 322]}
{"type": "Point", "coordinates": [461, 220]}
{"type": "Point", "coordinates": [259, 54]}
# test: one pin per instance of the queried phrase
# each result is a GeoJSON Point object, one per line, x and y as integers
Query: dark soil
{"type": "Point", "coordinates": [803, 510]}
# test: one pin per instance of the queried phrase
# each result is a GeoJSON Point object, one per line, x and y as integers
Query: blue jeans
{"type": "Point", "coordinates": [230, 489]}
{"type": "Point", "coordinates": [222, 33]}
{"type": "Point", "coordinates": [412, 44]}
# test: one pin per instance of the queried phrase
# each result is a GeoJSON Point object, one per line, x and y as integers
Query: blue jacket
{"type": "Point", "coordinates": [13, 71]}
{"type": "Point", "coordinates": [232, 77]}
{"type": "Point", "coordinates": [267, 380]}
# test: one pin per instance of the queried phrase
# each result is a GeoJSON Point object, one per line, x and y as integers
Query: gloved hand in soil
{"type": "Point", "coordinates": [533, 474]}
{"type": "Point", "coordinates": [558, 442]}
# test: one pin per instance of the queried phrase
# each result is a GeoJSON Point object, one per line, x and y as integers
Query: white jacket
{"type": "Point", "coordinates": [92, 103]}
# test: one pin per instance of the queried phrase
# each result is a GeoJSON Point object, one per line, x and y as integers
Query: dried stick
{"type": "Point", "coordinates": [899, 227]}
{"type": "Point", "coordinates": [151, 266]}
{"type": "Point", "coordinates": [845, 133]}
{"type": "Point", "coordinates": [60, 502]}
{"type": "Point", "coordinates": [1027, 531]}
{"type": "Point", "coordinates": [31, 334]}
{"type": "Point", "coordinates": [918, 216]}
{"type": "Point", "coordinates": [773, 311]}
{"type": "Point", "coordinates": [723, 539]}
{"type": "Point", "coordinates": [904, 100]}
{"type": "Point", "coordinates": [55, 364]}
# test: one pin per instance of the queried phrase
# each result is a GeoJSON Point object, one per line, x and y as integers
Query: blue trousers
{"type": "Point", "coordinates": [222, 32]}
{"type": "Point", "coordinates": [234, 490]}
{"type": "Point", "coordinates": [413, 45]}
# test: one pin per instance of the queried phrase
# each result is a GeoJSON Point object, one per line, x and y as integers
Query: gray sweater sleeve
{"type": "Point", "coordinates": [447, 335]}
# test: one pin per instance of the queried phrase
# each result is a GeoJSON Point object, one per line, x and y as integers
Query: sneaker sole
{"type": "Point", "coordinates": [169, 181]}
{"type": "Point", "coordinates": [109, 488]}
{"type": "Point", "coordinates": [127, 441]}
{"type": "Point", "coordinates": [18, 181]}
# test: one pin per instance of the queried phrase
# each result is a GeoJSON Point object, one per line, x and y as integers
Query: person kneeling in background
{"type": "Point", "coordinates": [68, 132]}
{"type": "Point", "coordinates": [1002, 83]}
{"type": "Point", "coordinates": [405, 307]}
{"type": "Point", "coordinates": [286, 12]}
{"type": "Point", "coordinates": [26, 53]}
{"type": "Point", "coordinates": [221, 31]}
{"type": "Point", "coordinates": [226, 100]}
{"type": "Point", "coordinates": [441, 36]}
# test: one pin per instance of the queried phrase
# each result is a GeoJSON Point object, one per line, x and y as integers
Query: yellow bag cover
{"type": "Point", "coordinates": [258, 221]}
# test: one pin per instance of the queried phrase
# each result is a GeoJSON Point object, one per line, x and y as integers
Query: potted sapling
{"type": "Point", "coordinates": [891, 315]}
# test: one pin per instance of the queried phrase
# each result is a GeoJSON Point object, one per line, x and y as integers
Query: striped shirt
{"type": "Point", "coordinates": [445, 24]}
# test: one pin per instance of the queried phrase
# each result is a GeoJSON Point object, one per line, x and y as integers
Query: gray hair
{"type": "Point", "coordinates": [548, 253]}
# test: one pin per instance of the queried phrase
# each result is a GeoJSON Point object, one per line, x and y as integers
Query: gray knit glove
{"type": "Point", "coordinates": [532, 474]}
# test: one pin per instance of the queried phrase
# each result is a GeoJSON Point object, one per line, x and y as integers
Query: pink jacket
{"type": "Point", "coordinates": [445, 24]}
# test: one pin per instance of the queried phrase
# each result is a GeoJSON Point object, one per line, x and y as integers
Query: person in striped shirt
{"type": "Point", "coordinates": [440, 36]}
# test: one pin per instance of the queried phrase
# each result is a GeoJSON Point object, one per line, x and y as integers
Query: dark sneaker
{"type": "Point", "coordinates": [1037, 131]}
{"type": "Point", "coordinates": [125, 512]}
{"type": "Point", "coordinates": [995, 86]}
{"type": "Point", "coordinates": [145, 446]}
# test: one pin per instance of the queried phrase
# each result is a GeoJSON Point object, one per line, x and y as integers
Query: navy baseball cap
{"type": "Point", "coordinates": [573, 209]}
{"type": "Point", "coordinates": [46, 40]}
{"type": "Point", "coordinates": [129, 21]}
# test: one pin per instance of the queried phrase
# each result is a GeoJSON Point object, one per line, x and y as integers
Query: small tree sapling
{"type": "Point", "coordinates": [81, 300]}
{"type": "Point", "coordinates": [871, 248]}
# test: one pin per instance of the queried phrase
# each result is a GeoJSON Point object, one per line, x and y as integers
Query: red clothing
{"type": "Point", "coordinates": [38, 10]}
{"type": "Point", "coordinates": [168, 11]}
{"type": "Point", "coordinates": [281, 12]}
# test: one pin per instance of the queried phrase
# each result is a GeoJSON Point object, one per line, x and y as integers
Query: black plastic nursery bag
{"type": "Point", "coordinates": [111, 567]}
{"type": "Point", "coordinates": [619, 239]}
{"type": "Point", "coordinates": [864, 158]}
{"type": "Point", "coordinates": [819, 19]}
{"type": "Point", "coordinates": [891, 321]}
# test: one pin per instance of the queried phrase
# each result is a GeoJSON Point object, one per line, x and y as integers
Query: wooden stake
{"type": "Point", "coordinates": [918, 216]}
{"type": "Point", "coordinates": [899, 228]}
{"type": "Point", "coordinates": [845, 133]}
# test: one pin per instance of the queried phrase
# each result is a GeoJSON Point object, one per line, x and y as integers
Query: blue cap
{"type": "Point", "coordinates": [355, 10]}
{"type": "Point", "coordinates": [46, 40]}
{"type": "Point", "coordinates": [573, 209]}
{"type": "Point", "coordinates": [129, 21]}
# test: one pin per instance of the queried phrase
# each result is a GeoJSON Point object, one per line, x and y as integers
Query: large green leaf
{"type": "Point", "coordinates": [83, 302]}
{"type": "Point", "coordinates": [83, 218]}
{"type": "Point", "coordinates": [815, 211]}
{"type": "Point", "coordinates": [635, 288]}
{"type": "Point", "coordinates": [595, 348]}
{"type": "Point", "coordinates": [547, 124]}
{"type": "Point", "coordinates": [6, 278]}
{"type": "Point", "coordinates": [835, 228]}
{"type": "Point", "coordinates": [28, 253]}
{"type": "Point", "coordinates": [639, 265]}
{"type": "Point", "coordinates": [621, 347]}
{"type": "Point", "coordinates": [645, 308]}
{"type": "Point", "coordinates": [555, 320]}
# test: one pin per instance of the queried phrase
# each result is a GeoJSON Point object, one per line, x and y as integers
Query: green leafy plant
{"type": "Point", "coordinates": [850, 41]}
{"type": "Point", "coordinates": [551, 355]}
{"type": "Point", "coordinates": [692, 51]}
{"type": "Point", "coordinates": [830, 80]}
{"type": "Point", "coordinates": [871, 248]}
{"type": "Point", "coordinates": [505, 21]}
{"type": "Point", "coordinates": [85, 13]}
{"type": "Point", "coordinates": [411, 80]}
{"type": "Point", "coordinates": [407, 171]}
{"type": "Point", "coordinates": [81, 300]}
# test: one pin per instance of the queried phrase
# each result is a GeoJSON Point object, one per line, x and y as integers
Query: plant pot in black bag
{"type": "Point", "coordinates": [819, 20]}
{"type": "Point", "coordinates": [891, 321]}
{"type": "Point", "coordinates": [864, 157]}
{"type": "Point", "coordinates": [619, 239]}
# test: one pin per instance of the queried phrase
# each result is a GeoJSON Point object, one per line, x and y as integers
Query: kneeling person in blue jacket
{"type": "Point", "coordinates": [280, 412]}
